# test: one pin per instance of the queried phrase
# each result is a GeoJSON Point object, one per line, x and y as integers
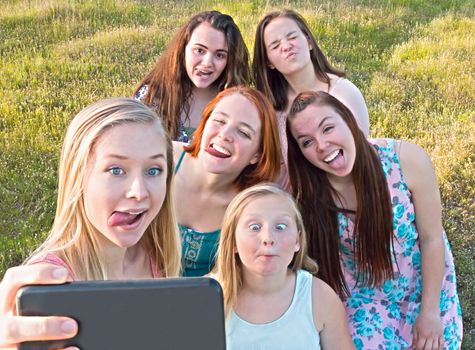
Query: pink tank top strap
{"type": "Point", "coordinates": [53, 259]}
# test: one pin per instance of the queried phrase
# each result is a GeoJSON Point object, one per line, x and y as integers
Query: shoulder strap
{"type": "Point", "coordinates": [182, 155]}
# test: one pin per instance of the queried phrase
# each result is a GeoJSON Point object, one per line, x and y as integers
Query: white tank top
{"type": "Point", "coordinates": [294, 330]}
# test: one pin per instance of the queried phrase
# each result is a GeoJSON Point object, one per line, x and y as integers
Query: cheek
{"type": "Point", "coordinates": [159, 191]}
{"type": "Point", "coordinates": [221, 65]}
{"type": "Point", "coordinates": [307, 153]}
{"type": "Point", "coordinates": [189, 59]}
{"type": "Point", "coordinates": [271, 57]}
{"type": "Point", "coordinates": [244, 244]}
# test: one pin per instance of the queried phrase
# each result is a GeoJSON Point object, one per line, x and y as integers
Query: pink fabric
{"type": "Point", "coordinates": [53, 259]}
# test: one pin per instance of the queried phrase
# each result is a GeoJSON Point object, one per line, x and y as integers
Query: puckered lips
{"type": "Point", "coordinates": [217, 151]}
{"type": "Point", "coordinates": [290, 55]}
{"type": "Point", "coordinates": [126, 219]}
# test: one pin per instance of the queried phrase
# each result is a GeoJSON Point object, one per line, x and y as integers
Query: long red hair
{"type": "Point", "coordinates": [267, 168]}
{"type": "Point", "coordinates": [315, 195]}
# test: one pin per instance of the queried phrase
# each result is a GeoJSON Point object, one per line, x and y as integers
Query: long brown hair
{"type": "Point", "coordinates": [170, 88]}
{"type": "Point", "coordinates": [270, 81]}
{"type": "Point", "coordinates": [268, 166]}
{"type": "Point", "coordinates": [315, 196]}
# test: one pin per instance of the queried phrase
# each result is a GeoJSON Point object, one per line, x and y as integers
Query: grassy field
{"type": "Point", "coordinates": [414, 61]}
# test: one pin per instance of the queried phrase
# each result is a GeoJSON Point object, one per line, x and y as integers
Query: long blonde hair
{"type": "Point", "coordinates": [228, 267]}
{"type": "Point", "coordinates": [72, 237]}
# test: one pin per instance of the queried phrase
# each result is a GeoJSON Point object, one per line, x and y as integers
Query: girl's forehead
{"type": "Point", "coordinates": [130, 136]}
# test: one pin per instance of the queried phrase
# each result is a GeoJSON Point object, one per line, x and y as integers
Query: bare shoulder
{"type": "Point", "coordinates": [177, 150]}
{"type": "Point", "coordinates": [322, 293]}
{"type": "Point", "coordinates": [325, 303]}
{"type": "Point", "coordinates": [416, 164]}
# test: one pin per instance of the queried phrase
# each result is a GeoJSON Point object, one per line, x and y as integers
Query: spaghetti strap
{"type": "Point", "coordinates": [182, 155]}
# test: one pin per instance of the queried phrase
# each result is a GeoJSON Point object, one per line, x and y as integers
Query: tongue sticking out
{"type": "Point", "coordinates": [119, 218]}
{"type": "Point", "coordinates": [214, 152]}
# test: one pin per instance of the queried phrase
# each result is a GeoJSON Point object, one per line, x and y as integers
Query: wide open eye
{"type": "Point", "coordinates": [154, 171]}
{"type": "Point", "coordinates": [280, 227]}
{"type": "Point", "coordinates": [255, 227]}
{"type": "Point", "coordinates": [117, 171]}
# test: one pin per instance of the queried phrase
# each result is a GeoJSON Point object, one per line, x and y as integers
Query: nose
{"type": "Point", "coordinates": [207, 59]}
{"type": "Point", "coordinates": [226, 133]}
{"type": "Point", "coordinates": [320, 142]}
{"type": "Point", "coordinates": [267, 237]}
{"type": "Point", "coordinates": [286, 45]}
{"type": "Point", "coordinates": [138, 188]}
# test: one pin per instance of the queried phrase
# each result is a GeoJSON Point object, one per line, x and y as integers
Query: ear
{"type": "Point", "coordinates": [309, 44]}
{"type": "Point", "coordinates": [256, 158]}
{"type": "Point", "coordinates": [297, 243]}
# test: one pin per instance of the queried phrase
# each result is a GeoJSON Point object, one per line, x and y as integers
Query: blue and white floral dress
{"type": "Point", "coordinates": [383, 318]}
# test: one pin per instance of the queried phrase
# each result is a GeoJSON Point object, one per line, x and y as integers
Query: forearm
{"type": "Point", "coordinates": [432, 264]}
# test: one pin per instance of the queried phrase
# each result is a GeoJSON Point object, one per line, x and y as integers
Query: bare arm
{"type": "Point", "coordinates": [330, 317]}
{"type": "Point", "coordinates": [15, 329]}
{"type": "Point", "coordinates": [422, 182]}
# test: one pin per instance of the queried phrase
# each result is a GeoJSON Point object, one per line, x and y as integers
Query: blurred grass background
{"type": "Point", "coordinates": [413, 60]}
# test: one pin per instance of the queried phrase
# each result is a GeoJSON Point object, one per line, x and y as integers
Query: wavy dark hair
{"type": "Point", "coordinates": [315, 195]}
{"type": "Point", "coordinates": [270, 81]}
{"type": "Point", "coordinates": [170, 88]}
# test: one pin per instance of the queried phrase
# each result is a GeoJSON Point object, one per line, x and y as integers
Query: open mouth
{"type": "Point", "coordinates": [332, 156]}
{"type": "Point", "coordinates": [120, 218]}
{"type": "Point", "coordinates": [202, 73]}
{"type": "Point", "coordinates": [218, 151]}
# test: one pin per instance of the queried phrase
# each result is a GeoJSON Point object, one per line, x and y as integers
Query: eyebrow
{"type": "Point", "coordinates": [207, 48]}
{"type": "Point", "coordinates": [122, 157]}
{"type": "Point", "coordinates": [319, 125]}
{"type": "Point", "coordinates": [286, 35]}
{"type": "Point", "coordinates": [241, 123]}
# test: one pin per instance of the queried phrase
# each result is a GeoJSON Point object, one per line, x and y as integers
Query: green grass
{"type": "Point", "coordinates": [414, 61]}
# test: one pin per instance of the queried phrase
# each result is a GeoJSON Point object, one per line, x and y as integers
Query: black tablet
{"type": "Point", "coordinates": [169, 313]}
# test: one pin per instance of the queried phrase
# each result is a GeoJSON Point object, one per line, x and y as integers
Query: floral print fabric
{"type": "Point", "coordinates": [383, 318]}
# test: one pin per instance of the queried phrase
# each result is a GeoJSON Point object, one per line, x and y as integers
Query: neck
{"type": "Point", "coordinates": [340, 183]}
{"type": "Point", "coordinates": [265, 284]}
{"type": "Point", "coordinates": [210, 182]}
{"type": "Point", "coordinates": [304, 80]}
{"type": "Point", "coordinates": [122, 263]}
{"type": "Point", "coordinates": [204, 93]}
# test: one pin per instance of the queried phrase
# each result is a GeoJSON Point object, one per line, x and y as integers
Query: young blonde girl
{"type": "Point", "coordinates": [271, 299]}
{"type": "Point", "coordinates": [114, 216]}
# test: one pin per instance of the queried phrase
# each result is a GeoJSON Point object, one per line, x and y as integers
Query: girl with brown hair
{"type": "Point", "coordinates": [373, 216]}
{"type": "Point", "coordinates": [206, 55]}
{"type": "Point", "coordinates": [287, 61]}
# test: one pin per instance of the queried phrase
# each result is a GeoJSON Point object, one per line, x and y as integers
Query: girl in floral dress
{"type": "Point", "coordinates": [373, 215]}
